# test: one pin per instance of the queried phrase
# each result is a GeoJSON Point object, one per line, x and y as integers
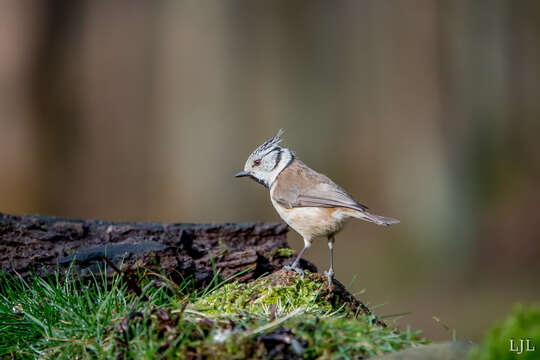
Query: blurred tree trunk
{"type": "Point", "coordinates": [92, 92]}
{"type": "Point", "coordinates": [57, 103]}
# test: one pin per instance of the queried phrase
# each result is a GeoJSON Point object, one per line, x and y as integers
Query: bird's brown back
{"type": "Point", "coordinates": [300, 186]}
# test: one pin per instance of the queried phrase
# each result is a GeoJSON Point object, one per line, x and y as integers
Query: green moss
{"type": "Point", "coordinates": [319, 329]}
{"type": "Point", "coordinates": [282, 252]}
{"type": "Point", "coordinates": [523, 323]}
{"type": "Point", "coordinates": [257, 298]}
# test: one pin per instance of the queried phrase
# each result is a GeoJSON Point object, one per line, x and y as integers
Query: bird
{"type": "Point", "coordinates": [309, 202]}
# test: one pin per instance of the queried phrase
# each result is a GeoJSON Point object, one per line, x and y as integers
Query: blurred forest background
{"type": "Point", "coordinates": [427, 111]}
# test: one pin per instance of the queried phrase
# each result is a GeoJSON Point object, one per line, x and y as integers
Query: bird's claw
{"type": "Point", "coordinates": [294, 268]}
{"type": "Point", "coordinates": [329, 275]}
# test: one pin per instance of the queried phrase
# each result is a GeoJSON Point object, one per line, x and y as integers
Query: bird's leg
{"type": "Point", "coordinates": [294, 265]}
{"type": "Point", "coordinates": [330, 273]}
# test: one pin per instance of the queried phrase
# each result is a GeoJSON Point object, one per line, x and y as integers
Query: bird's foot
{"type": "Point", "coordinates": [330, 276]}
{"type": "Point", "coordinates": [294, 268]}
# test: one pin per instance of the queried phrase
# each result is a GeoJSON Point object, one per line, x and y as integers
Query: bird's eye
{"type": "Point", "coordinates": [257, 163]}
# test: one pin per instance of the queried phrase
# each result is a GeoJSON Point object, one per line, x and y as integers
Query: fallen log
{"type": "Point", "coordinates": [43, 244]}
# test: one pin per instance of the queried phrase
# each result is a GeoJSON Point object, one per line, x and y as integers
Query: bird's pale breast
{"type": "Point", "coordinates": [312, 222]}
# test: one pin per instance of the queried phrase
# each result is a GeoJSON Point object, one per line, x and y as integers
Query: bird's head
{"type": "Point", "coordinates": [267, 161]}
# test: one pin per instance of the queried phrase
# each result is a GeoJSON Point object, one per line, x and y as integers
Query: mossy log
{"type": "Point", "coordinates": [280, 315]}
{"type": "Point", "coordinates": [30, 243]}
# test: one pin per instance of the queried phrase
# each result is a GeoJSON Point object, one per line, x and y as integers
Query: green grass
{"type": "Point", "coordinates": [522, 323]}
{"type": "Point", "coordinates": [65, 318]}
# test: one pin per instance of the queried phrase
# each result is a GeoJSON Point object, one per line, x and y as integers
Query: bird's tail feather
{"type": "Point", "coordinates": [379, 220]}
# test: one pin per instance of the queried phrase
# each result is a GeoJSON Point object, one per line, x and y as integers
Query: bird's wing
{"type": "Point", "coordinates": [300, 186]}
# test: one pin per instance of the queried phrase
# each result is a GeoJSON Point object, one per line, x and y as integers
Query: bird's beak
{"type": "Point", "coordinates": [241, 174]}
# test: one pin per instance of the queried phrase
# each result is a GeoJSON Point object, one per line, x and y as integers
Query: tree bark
{"type": "Point", "coordinates": [42, 244]}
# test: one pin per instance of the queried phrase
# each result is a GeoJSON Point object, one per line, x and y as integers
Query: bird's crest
{"type": "Point", "coordinates": [270, 143]}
